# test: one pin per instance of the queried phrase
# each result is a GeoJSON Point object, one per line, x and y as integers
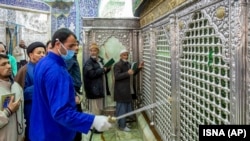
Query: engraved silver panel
{"type": "Point", "coordinates": [209, 84]}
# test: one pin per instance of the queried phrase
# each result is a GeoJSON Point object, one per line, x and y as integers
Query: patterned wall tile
{"type": "Point", "coordinates": [31, 4]}
{"type": "Point", "coordinates": [11, 16]}
{"type": "Point", "coordinates": [89, 8]}
{"type": "Point", "coordinates": [62, 15]}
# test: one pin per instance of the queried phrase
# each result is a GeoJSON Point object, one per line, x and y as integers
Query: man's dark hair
{"type": "Point", "coordinates": [62, 35]}
{"type": "Point", "coordinates": [3, 56]}
{"type": "Point", "coordinates": [48, 42]}
{"type": "Point", "coordinates": [4, 47]}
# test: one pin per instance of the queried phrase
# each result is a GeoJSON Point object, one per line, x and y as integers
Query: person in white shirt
{"type": "Point", "coordinates": [20, 53]}
{"type": "Point", "coordinates": [11, 111]}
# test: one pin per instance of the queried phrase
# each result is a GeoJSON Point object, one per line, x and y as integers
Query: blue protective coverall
{"type": "Point", "coordinates": [53, 114]}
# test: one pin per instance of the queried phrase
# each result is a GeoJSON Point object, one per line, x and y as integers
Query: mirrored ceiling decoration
{"type": "Point", "coordinates": [136, 4]}
{"type": "Point", "coordinates": [115, 8]}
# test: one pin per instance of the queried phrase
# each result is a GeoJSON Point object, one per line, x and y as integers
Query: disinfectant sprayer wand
{"type": "Point", "coordinates": [163, 102]}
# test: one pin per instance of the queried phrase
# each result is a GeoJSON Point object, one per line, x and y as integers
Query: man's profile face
{"type": "Point", "coordinates": [22, 44]}
{"type": "Point", "coordinates": [5, 68]}
{"type": "Point", "coordinates": [124, 56]}
{"type": "Point", "coordinates": [37, 54]}
{"type": "Point", "coordinates": [77, 48]}
{"type": "Point", "coordinates": [69, 44]}
{"type": "Point", "coordinates": [94, 52]}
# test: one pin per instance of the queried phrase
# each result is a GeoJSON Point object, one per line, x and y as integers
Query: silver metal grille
{"type": "Point", "coordinates": [163, 83]}
{"type": "Point", "coordinates": [146, 75]}
{"type": "Point", "coordinates": [204, 90]}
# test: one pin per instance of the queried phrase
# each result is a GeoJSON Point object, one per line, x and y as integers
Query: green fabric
{"type": "Point", "coordinates": [13, 64]}
{"type": "Point", "coordinates": [210, 57]}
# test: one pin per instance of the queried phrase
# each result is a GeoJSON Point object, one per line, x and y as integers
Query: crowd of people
{"type": "Point", "coordinates": [41, 92]}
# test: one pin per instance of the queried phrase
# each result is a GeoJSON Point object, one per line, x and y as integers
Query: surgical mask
{"type": "Point", "coordinates": [69, 53]}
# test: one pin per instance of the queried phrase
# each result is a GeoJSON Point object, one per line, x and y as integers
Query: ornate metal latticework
{"type": "Point", "coordinates": [209, 80]}
{"type": "Point", "coordinates": [205, 79]}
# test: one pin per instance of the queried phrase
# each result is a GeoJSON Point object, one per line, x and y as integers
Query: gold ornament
{"type": "Point", "coordinates": [220, 12]}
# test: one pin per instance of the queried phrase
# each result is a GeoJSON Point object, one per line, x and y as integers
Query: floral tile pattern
{"type": "Point", "coordinates": [31, 4]}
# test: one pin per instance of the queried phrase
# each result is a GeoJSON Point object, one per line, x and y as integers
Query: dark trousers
{"type": "Point", "coordinates": [121, 109]}
{"type": "Point", "coordinates": [78, 136]}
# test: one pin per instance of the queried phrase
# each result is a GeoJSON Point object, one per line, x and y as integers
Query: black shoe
{"type": "Point", "coordinates": [97, 132]}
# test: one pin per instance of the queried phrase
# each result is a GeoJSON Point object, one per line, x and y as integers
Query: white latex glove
{"type": "Point", "coordinates": [101, 123]}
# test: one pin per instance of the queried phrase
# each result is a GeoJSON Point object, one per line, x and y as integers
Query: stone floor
{"type": "Point", "coordinates": [114, 134]}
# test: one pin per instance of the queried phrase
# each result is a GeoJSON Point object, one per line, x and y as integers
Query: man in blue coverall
{"type": "Point", "coordinates": [54, 115]}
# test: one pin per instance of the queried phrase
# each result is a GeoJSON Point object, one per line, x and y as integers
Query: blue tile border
{"type": "Point", "coordinates": [31, 4]}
